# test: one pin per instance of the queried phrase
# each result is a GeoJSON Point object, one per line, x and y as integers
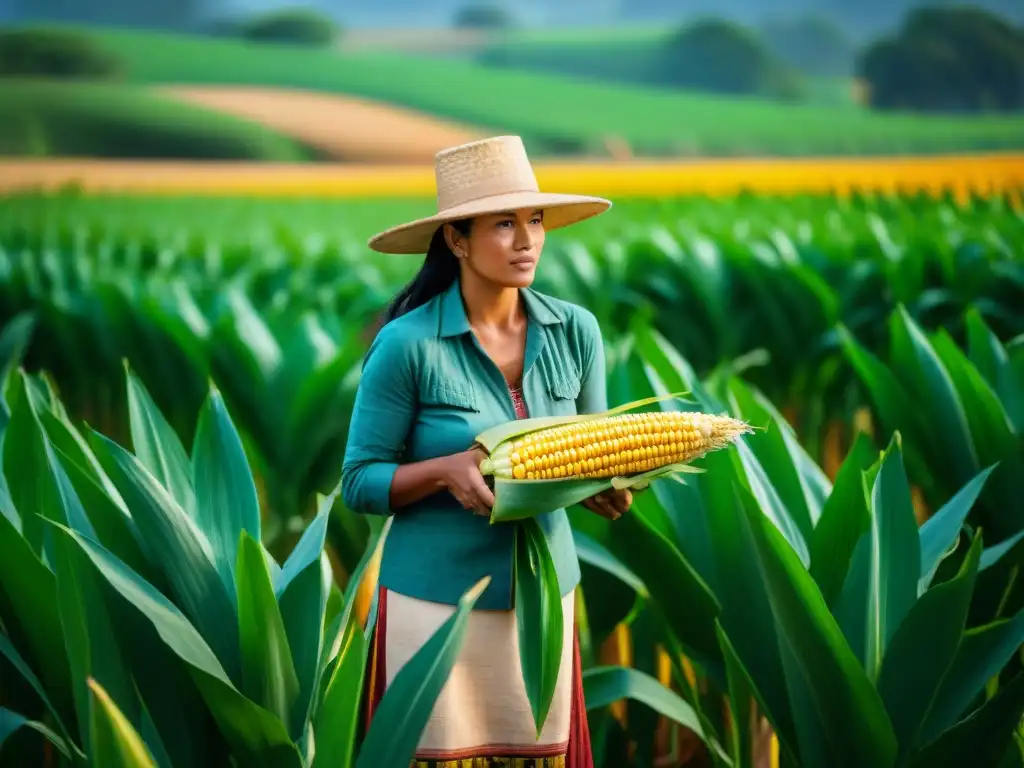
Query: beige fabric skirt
{"type": "Point", "coordinates": [482, 717]}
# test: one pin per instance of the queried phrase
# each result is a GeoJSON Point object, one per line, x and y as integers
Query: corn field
{"type": "Point", "coordinates": [181, 585]}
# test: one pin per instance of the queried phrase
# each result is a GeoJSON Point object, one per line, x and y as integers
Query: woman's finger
{"type": "Point", "coordinates": [623, 500]}
{"type": "Point", "coordinates": [483, 493]}
{"type": "Point", "coordinates": [609, 508]}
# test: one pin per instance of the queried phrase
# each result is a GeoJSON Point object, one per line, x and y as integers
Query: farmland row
{"type": "Point", "coordinates": [847, 325]}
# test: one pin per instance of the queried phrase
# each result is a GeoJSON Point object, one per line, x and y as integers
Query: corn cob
{"type": "Point", "coordinates": [612, 446]}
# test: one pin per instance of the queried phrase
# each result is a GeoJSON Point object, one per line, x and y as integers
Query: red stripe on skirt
{"type": "Point", "coordinates": [579, 755]}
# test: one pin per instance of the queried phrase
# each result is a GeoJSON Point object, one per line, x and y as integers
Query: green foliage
{"type": "Point", "coordinates": [246, 649]}
{"type": "Point", "coordinates": [722, 57]}
{"type": "Point", "coordinates": [483, 16]}
{"type": "Point", "coordinates": [566, 113]}
{"type": "Point", "coordinates": [303, 26]}
{"type": "Point", "coordinates": [167, 538]}
{"type": "Point", "coordinates": [814, 45]}
{"type": "Point", "coordinates": [948, 60]}
{"type": "Point", "coordinates": [43, 118]}
{"type": "Point", "coordinates": [56, 54]}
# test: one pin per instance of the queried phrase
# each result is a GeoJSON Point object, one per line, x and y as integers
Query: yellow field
{"type": "Point", "coordinates": [981, 174]}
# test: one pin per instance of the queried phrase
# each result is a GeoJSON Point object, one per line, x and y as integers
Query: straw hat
{"type": "Point", "coordinates": [486, 176]}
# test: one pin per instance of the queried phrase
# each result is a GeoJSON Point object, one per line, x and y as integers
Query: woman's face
{"type": "Point", "coordinates": [502, 248]}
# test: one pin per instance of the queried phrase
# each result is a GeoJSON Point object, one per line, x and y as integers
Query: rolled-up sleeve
{"type": "Point", "coordinates": [593, 397]}
{"type": "Point", "coordinates": [381, 418]}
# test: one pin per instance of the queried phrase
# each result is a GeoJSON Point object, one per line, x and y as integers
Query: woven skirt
{"type": "Point", "coordinates": [482, 717]}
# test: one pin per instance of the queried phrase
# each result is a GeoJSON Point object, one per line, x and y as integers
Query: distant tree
{"type": "Point", "coordinates": [719, 56]}
{"type": "Point", "coordinates": [484, 17]}
{"type": "Point", "coordinates": [305, 26]}
{"type": "Point", "coordinates": [812, 44]}
{"type": "Point", "coordinates": [49, 53]}
{"type": "Point", "coordinates": [947, 59]}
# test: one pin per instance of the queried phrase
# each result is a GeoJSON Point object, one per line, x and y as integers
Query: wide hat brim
{"type": "Point", "coordinates": [560, 210]}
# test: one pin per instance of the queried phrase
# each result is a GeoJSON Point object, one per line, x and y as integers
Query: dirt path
{"type": "Point", "coordinates": [346, 127]}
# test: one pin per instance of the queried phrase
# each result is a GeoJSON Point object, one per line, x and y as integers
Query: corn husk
{"type": "Point", "coordinates": [522, 499]}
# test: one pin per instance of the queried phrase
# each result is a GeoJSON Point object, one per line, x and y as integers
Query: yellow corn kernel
{"type": "Point", "coordinates": [613, 445]}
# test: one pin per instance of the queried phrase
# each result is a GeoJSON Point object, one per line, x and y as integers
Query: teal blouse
{"type": "Point", "coordinates": [428, 389]}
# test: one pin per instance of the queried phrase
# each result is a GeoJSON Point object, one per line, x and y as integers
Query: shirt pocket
{"type": "Point", "coordinates": [450, 394]}
{"type": "Point", "coordinates": [446, 378]}
{"type": "Point", "coordinates": [561, 374]}
{"type": "Point", "coordinates": [564, 387]}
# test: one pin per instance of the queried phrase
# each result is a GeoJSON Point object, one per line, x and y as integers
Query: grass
{"type": "Point", "coordinates": [42, 118]}
{"type": "Point", "coordinates": [558, 113]}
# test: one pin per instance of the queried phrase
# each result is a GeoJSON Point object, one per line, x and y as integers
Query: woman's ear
{"type": "Point", "coordinates": [456, 241]}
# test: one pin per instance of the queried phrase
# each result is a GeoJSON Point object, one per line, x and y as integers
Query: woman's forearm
{"type": "Point", "coordinates": [415, 481]}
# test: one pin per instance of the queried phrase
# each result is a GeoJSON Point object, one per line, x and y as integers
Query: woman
{"type": "Point", "coordinates": [467, 345]}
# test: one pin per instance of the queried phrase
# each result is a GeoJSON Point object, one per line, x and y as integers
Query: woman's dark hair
{"type": "Point", "coordinates": [439, 270]}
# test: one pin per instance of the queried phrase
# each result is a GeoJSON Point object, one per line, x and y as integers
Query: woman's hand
{"type": "Point", "coordinates": [461, 475]}
{"type": "Point", "coordinates": [611, 504]}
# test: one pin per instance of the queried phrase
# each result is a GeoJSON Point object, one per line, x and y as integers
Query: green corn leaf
{"type": "Point", "coordinates": [940, 531]}
{"type": "Point", "coordinates": [409, 700]}
{"type": "Point", "coordinates": [998, 444]}
{"type": "Point", "coordinates": [32, 621]}
{"type": "Point", "coordinates": [981, 739]}
{"type": "Point", "coordinates": [680, 595]}
{"type": "Point", "coordinates": [922, 650]}
{"type": "Point", "coordinates": [14, 340]}
{"type": "Point", "coordinates": [608, 587]}
{"type": "Point", "coordinates": [845, 518]}
{"type": "Point", "coordinates": [184, 555]}
{"type": "Point", "coordinates": [172, 625]}
{"type": "Point", "coordinates": [896, 407]}
{"type": "Point", "coordinates": [11, 721]}
{"type": "Point", "coordinates": [516, 500]}
{"type": "Point", "coordinates": [983, 652]}
{"type": "Point", "coordinates": [374, 550]}
{"type": "Point", "coordinates": [770, 501]}
{"type": "Point", "coordinates": [309, 546]}
{"type": "Point", "coordinates": [115, 742]}
{"type": "Point", "coordinates": [338, 716]}
{"type": "Point", "coordinates": [539, 618]}
{"type": "Point", "coordinates": [596, 554]}
{"type": "Point", "coordinates": [25, 455]}
{"type": "Point", "coordinates": [921, 368]}
{"type": "Point", "coordinates": [226, 501]}
{"type": "Point", "coordinates": [256, 736]}
{"type": "Point", "coordinates": [814, 746]}
{"type": "Point", "coordinates": [303, 607]}
{"type": "Point", "coordinates": [852, 713]}
{"type": "Point", "coordinates": [742, 694]}
{"type": "Point", "coordinates": [157, 445]}
{"type": "Point", "coordinates": [996, 552]}
{"type": "Point", "coordinates": [11, 654]}
{"type": "Point", "coordinates": [882, 582]}
{"type": "Point", "coordinates": [801, 484]}
{"type": "Point", "coordinates": [68, 442]}
{"type": "Point", "coordinates": [89, 636]}
{"type": "Point", "coordinates": [170, 702]}
{"type": "Point", "coordinates": [605, 685]}
{"type": "Point", "coordinates": [268, 672]}
{"type": "Point", "coordinates": [746, 613]}
{"type": "Point", "coordinates": [7, 510]}
{"type": "Point", "coordinates": [990, 357]}
{"type": "Point", "coordinates": [114, 528]}
{"type": "Point", "coordinates": [684, 507]}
